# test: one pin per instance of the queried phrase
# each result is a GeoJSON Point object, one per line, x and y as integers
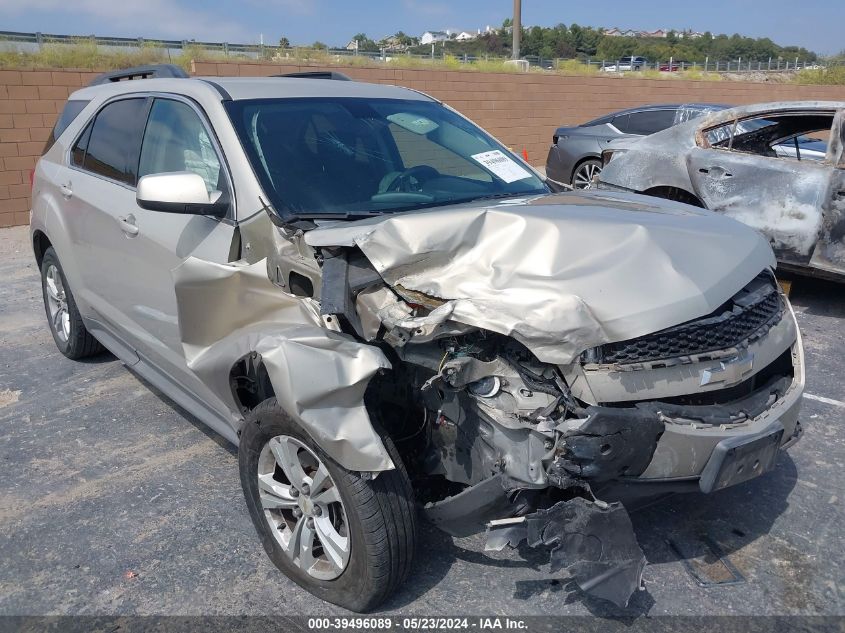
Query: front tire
{"type": "Point", "coordinates": [69, 332]}
{"type": "Point", "coordinates": [348, 539]}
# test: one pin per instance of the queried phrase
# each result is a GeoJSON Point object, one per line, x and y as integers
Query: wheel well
{"type": "Point", "coordinates": [40, 244]}
{"type": "Point", "coordinates": [250, 382]}
{"type": "Point", "coordinates": [675, 193]}
{"type": "Point", "coordinates": [581, 162]}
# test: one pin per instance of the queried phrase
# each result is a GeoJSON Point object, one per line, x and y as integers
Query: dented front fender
{"type": "Point", "coordinates": [227, 311]}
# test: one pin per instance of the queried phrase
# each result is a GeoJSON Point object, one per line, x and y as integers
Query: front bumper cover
{"type": "Point", "coordinates": [592, 540]}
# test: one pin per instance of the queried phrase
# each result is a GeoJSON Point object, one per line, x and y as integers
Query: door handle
{"type": "Point", "coordinates": [127, 225]}
{"type": "Point", "coordinates": [716, 172]}
{"type": "Point", "coordinates": [66, 190]}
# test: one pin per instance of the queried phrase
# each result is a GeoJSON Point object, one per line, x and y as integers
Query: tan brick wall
{"type": "Point", "coordinates": [30, 101]}
{"type": "Point", "coordinates": [522, 110]}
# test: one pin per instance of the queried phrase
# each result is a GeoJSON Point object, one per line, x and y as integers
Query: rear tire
{"type": "Point", "coordinates": [375, 519]}
{"type": "Point", "coordinates": [582, 177]}
{"type": "Point", "coordinates": [69, 332]}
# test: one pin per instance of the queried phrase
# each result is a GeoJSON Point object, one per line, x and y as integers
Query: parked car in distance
{"type": "Point", "coordinates": [674, 66]}
{"type": "Point", "coordinates": [778, 167]}
{"type": "Point", "coordinates": [804, 147]}
{"type": "Point", "coordinates": [575, 154]}
{"type": "Point", "coordinates": [390, 315]}
{"type": "Point", "coordinates": [626, 64]}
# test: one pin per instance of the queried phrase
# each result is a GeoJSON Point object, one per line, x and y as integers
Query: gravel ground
{"type": "Point", "coordinates": [114, 502]}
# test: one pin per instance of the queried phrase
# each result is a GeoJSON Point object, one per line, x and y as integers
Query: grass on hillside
{"type": "Point", "coordinates": [822, 76]}
{"type": "Point", "coordinates": [85, 54]}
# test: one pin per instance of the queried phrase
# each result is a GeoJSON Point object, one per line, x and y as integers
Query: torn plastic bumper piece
{"type": "Point", "coordinates": [468, 512]}
{"type": "Point", "coordinates": [613, 442]}
{"type": "Point", "coordinates": [593, 540]}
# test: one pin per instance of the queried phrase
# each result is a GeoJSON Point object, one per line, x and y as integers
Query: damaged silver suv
{"type": "Point", "coordinates": [393, 316]}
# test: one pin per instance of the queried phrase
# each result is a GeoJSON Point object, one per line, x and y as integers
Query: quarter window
{"type": "Point", "coordinates": [176, 140]}
{"type": "Point", "coordinates": [69, 113]}
{"type": "Point", "coordinates": [114, 141]}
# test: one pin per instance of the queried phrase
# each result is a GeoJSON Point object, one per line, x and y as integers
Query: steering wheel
{"type": "Point", "coordinates": [409, 180]}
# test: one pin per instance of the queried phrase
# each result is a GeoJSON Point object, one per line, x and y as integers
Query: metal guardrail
{"type": "Point", "coordinates": [32, 42]}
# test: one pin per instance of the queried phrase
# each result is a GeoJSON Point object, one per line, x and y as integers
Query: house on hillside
{"type": "Point", "coordinates": [431, 37]}
{"type": "Point", "coordinates": [615, 32]}
{"type": "Point", "coordinates": [693, 35]}
{"type": "Point", "coordinates": [465, 36]}
{"type": "Point", "coordinates": [391, 43]}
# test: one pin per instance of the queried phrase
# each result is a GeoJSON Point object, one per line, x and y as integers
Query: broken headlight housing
{"type": "Point", "coordinates": [486, 387]}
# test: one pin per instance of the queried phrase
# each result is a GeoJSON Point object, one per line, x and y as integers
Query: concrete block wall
{"type": "Point", "coordinates": [30, 101]}
{"type": "Point", "coordinates": [522, 110]}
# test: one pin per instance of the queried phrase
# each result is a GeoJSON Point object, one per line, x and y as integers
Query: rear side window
{"type": "Point", "coordinates": [69, 113]}
{"type": "Point", "coordinates": [77, 154]}
{"type": "Point", "coordinates": [650, 121]}
{"type": "Point", "coordinates": [114, 142]}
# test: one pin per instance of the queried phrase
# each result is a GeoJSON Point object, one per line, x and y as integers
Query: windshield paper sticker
{"type": "Point", "coordinates": [502, 166]}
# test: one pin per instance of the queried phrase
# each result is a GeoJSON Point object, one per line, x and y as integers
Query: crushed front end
{"type": "Point", "coordinates": [497, 440]}
{"type": "Point", "coordinates": [508, 387]}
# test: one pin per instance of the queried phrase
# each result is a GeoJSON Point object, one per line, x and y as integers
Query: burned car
{"type": "Point", "coordinates": [392, 315]}
{"type": "Point", "coordinates": [777, 167]}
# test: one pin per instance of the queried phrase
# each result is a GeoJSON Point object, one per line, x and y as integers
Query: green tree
{"type": "Point", "coordinates": [575, 41]}
{"type": "Point", "coordinates": [405, 40]}
{"type": "Point", "coordinates": [365, 43]}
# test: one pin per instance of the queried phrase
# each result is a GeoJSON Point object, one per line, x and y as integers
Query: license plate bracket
{"type": "Point", "coordinates": [738, 459]}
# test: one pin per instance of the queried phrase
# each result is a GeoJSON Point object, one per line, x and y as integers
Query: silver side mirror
{"type": "Point", "coordinates": [179, 192]}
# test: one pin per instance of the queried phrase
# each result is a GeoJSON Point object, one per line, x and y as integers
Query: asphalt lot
{"type": "Point", "coordinates": [113, 502]}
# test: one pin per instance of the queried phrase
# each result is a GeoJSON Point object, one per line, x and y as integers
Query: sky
{"type": "Point", "coordinates": [815, 24]}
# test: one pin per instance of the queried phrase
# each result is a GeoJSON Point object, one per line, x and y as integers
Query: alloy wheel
{"type": "Point", "coordinates": [302, 504]}
{"type": "Point", "coordinates": [583, 178]}
{"type": "Point", "coordinates": [57, 303]}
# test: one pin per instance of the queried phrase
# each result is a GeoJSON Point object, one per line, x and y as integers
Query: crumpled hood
{"type": "Point", "coordinates": [562, 273]}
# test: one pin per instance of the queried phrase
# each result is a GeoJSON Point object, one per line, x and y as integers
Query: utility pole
{"type": "Point", "coordinates": [516, 26]}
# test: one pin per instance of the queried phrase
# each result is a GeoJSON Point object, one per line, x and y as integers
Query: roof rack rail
{"type": "Point", "coordinates": [149, 71]}
{"type": "Point", "coordinates": [318, 74]}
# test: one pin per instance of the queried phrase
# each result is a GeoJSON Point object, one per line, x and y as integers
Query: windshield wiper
{"type": "Point", "coordinates": [335, 215]}
{"type": "Point", "coordinates": [495, 196]}
{"type": "Point", "coordinates": [359, 215]}
{"type": "Point", "coordinates": [454, 201]}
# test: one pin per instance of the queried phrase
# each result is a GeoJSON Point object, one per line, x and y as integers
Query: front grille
{"type": "Point", "coordinates": [746, 317]}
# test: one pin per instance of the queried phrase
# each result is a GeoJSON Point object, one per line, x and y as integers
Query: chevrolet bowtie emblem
{"type": "Point", "coordinates": [729, 372]}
